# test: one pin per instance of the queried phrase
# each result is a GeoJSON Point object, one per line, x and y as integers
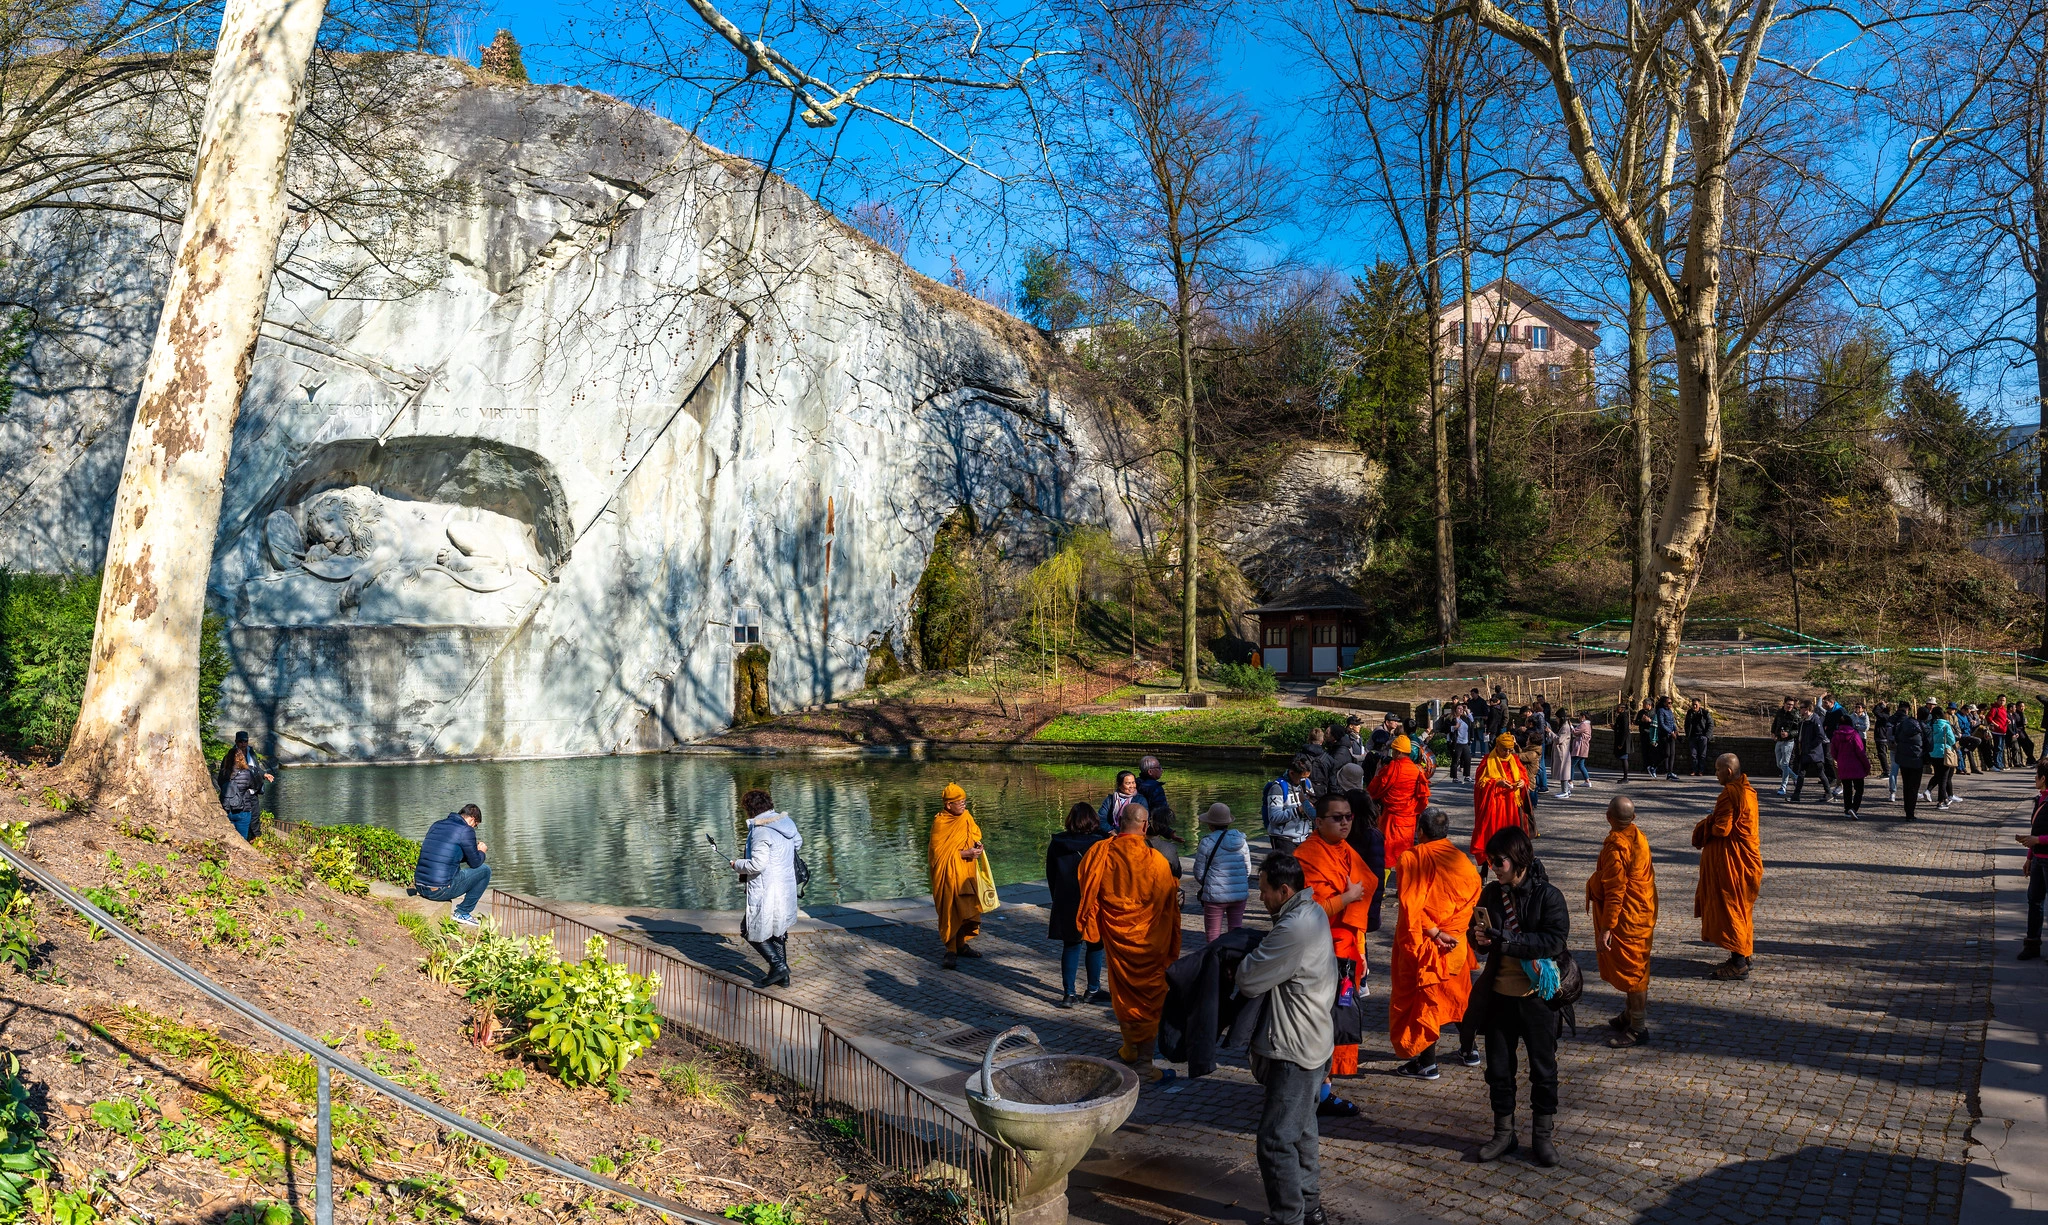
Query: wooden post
{"type": "Point", "coordinates": [1742, 661]}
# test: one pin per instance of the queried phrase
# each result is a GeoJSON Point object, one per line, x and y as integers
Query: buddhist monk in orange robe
{"type": "Point", "coordinates": [1343, 886]}
{"type": "Point", "coordinates": [1622, 896]}
{"type": "Point", "coordinates": [1731, 870]}
{"type": "Point", "coordinates": [1401, 789]}
{"type": "Point", "coordinates": [1130, 904]}
{"type": "Point", "coordinates": [1497, 792]}
{"type": "Point", "coordinates": [1432, 961]}
{"type": "Point", "coordinates": [955, 846]}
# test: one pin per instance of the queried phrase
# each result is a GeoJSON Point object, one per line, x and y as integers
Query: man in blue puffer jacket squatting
{"type": "Point", "coordinates": [452, 864]}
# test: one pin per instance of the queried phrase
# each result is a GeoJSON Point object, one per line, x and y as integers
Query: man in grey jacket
{"type": "Point", "coordinates": [1294, 969]}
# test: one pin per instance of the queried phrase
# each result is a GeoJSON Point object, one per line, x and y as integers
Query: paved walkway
{"type": "Point", "coordinates": [1833, 1087]}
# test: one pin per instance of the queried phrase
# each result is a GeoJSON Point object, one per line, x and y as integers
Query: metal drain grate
{"type": "Point", "coordinates": [975, 1040]}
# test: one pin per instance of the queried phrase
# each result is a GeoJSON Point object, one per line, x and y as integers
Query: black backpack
{"type": "Point", "coordinates": [803, 875]}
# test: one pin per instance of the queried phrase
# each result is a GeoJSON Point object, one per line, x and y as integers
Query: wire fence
{"type": "Point", "coordinates": [899, 1124]}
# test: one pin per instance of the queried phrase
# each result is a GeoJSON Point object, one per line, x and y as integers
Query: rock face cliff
{"type": "Point", "coordinates": [642, 412]}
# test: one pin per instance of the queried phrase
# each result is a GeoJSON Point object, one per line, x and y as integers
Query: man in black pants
{"type": "Point", "coordinates": [1290, 1057]}
{"type": "Point", "coordinates": [1813, 755]}
{"type": "Point", "coordinates": [1909, 750]}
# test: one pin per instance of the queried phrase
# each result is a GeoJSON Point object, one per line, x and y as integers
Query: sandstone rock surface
{"type": "Point", "coordinates": [646, 408]}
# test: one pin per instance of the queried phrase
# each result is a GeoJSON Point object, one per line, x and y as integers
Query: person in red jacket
{"type": "Point", "coordinates": [2001, 731]}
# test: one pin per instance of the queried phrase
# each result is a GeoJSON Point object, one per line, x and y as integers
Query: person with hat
{"type": "Point", "coordinates": [241, 783]}
{"type": "Point", "coordinates": [451, 865]}
{"type": "Point", "coordinates": [1499, 795]}
{"type": "Point", "coordinates": [1223, 872]}
{"type": "Point", "coordinates": [1401, 789]}
{"type": "Point", "coordinates": [955, 846]}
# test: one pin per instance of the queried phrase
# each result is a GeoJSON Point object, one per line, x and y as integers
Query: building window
{"type": "Point", "coordinates": [1326, 635]}
{"type": "Point", "coordinates": [1454, 370]}
{"type": "Point", "coordinates": [1503, 332]}
{"type": "Point", "coordinates": [1350, 635]}
{"type": "Point", "coordinates": [1507, 372]}
{"type": "Point", "coordinates": [1539, 337]}
{"type": "Point", "coordinates": [1553, 373]}
{"type": "Point", "coordinates": [1276, 635]}
{"type": "Point", "coordinates": [746, 627]}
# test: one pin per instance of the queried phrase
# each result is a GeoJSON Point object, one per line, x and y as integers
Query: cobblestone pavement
{"type": "Point", "coordinates": [1833, 1087]}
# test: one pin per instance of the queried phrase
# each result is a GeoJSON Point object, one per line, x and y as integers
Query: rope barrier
{"type": "Point", "coordinates": [325, 1059]}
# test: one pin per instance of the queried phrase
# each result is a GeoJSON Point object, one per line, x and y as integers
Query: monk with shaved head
{"type": "Point", "coordinates": [1731, 870]}
{"type": "Point", "coordinates": [1130, 905]}
{"type": "Point", "coordinates": [1622, 894]}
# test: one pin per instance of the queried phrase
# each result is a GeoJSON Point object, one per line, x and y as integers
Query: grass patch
{"type": "Point", "coordinates": [1259, 723]}
{"type": "Point", "coordinates": [693, 1082]}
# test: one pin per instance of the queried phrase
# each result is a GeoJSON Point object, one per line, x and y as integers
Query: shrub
{"type": "Point", "coordinates": [22, 1161]}
{"type": "Point", "coordinates": [593, 1017]}
{"type": "Point", "coordinates": [380, 854]}
{"type": "Point", "coordinates": [46, 624]}
{"type": "Point", "coordinates": [1247, 678]}
{"type": "Point", "coordinates": [507, 968]}
{"type": "Point", "coordinates": [334, 863]}
{"type": "Point", "coordinates": [45, 649]}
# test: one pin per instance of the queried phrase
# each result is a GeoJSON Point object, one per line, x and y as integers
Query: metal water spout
{"type": "Point", "coordinates": [1050, 1110]}
{"type": "Point", "coordinates": [988, 1058]}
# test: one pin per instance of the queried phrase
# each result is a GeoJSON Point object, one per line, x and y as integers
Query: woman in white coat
{"type": "Point", "coordinates": [769, 872]}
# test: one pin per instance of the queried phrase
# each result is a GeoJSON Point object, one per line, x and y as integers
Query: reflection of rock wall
{"type": "Point", "coordinates": [1313, 521]}
{"type": "Point", "coordinates": [521, 512]}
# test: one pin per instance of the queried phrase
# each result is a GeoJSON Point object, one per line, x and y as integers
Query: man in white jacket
{"type": "Point", "coordinates": [1293, 969]}
{"type": "Point", "coordinates": [769, 873]}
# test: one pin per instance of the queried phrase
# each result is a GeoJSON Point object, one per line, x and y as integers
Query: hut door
{"type": "Point", "coordinates": [1298, 651]}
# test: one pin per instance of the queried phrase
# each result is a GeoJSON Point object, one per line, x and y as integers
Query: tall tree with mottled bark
{"type": "Point", "coordinates": [137, 740]}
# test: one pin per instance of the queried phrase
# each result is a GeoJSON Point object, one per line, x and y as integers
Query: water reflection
{"type": "Point", "coordinates": [631, 831]}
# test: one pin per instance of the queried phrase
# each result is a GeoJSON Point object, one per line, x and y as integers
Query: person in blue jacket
{"type": "Point", "coordinates": [451, 865]}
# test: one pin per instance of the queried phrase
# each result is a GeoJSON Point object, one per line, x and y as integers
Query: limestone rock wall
{"type": "Point", "coordinates": [647, 411]}
{"type": "Point", "coordinates": [1313, 521]}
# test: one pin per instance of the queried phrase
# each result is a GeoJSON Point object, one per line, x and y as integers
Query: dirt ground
{"type": "Point", "coordinates": [936, 708]}
{"type": "Point", "coordinates": [158, 1105]}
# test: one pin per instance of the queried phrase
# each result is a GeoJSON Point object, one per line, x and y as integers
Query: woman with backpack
{"type": "Point", "coordinates": [1522, 925]}
{"type": "Point", "coordinates": [241, 783]}
{"type": "Point", "coordinates": [1223, 872]}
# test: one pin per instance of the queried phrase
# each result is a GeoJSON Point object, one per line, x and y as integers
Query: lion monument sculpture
{"type": "Point", "coordinates": [356, 537]}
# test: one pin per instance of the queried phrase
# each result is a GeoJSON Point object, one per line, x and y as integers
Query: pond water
{"type": "Point", "coordinates": [630, 831]}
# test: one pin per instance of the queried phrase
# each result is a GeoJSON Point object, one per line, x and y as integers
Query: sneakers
{"type": "Point", "coordinates": [1065, 1001]}
{"type": "Point", "coordinates": [465, 918]}
{"type": "Point", "coordinates": [1096, 996]}
{"type": "Point", "coordinates": [1470, 1058]}
{"type": "Point", "coordinates": [1416, 1070]}
{"type": "Point", "coordinates": [1565, 794]}
{"type": "Point", "coordinates": [2030, 951]}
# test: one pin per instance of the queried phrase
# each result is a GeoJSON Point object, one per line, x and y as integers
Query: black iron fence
{"type": "Point", "coordinates": [898, 1123]}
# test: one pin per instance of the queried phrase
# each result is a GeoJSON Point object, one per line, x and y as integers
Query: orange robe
{"type": "Point", "coordinates": [953, 892]}
{"type": "Point", "coordinates": [1439, 888]}
{"type": "Point", "coordinates": [1622, 894]}
{"type": "Point", "coordinates": [1130, 903]}
{"type": "Point", "coordinates": [1496, 804]}
{"type": "Point", "coordinates": [1331, 867]}
{"type": "Point", "coordinates": [1731, 869]}
{"type": "Point", "coordinates": [1401, 789]}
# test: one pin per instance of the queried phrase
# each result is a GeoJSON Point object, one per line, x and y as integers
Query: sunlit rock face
{"type": "Point", "coordinates": [639, 412]}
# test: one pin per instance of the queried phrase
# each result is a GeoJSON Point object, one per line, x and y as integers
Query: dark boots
{"type": "Point", "coordinates": [2030, 950]}
{"type": "Point", "coordinates": [1503, 1141]}
{"type": "Point", "coordinates": [1540, 1147]}
{"type": "Point", "coordinates": [776, 953]}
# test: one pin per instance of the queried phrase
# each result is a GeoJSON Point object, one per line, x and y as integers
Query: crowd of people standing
{"type": "Point", "coordinates": [1480, 941]}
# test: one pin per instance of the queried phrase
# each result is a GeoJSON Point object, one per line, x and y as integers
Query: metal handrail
{"type": "Point", "coordinates": [325, 1059]}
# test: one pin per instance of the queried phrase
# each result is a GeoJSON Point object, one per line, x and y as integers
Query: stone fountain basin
{"type": "Point", "coordinates": [1052, 1109]}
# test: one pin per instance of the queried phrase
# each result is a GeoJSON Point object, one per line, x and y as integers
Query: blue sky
{"type": "Point", "coordinates": [1254, 66]}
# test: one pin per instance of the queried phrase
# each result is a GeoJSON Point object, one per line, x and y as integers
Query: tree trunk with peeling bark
{"type": "Point", "coordinates": [1644, 544]}
{"type": "Point", "coordinates": [137, 738]}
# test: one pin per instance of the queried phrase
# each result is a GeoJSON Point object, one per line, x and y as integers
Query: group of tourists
{"type": "Point", "coordinates": [1480, 944]}
{"type": "Point", "coordinates": [1918, 748]}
